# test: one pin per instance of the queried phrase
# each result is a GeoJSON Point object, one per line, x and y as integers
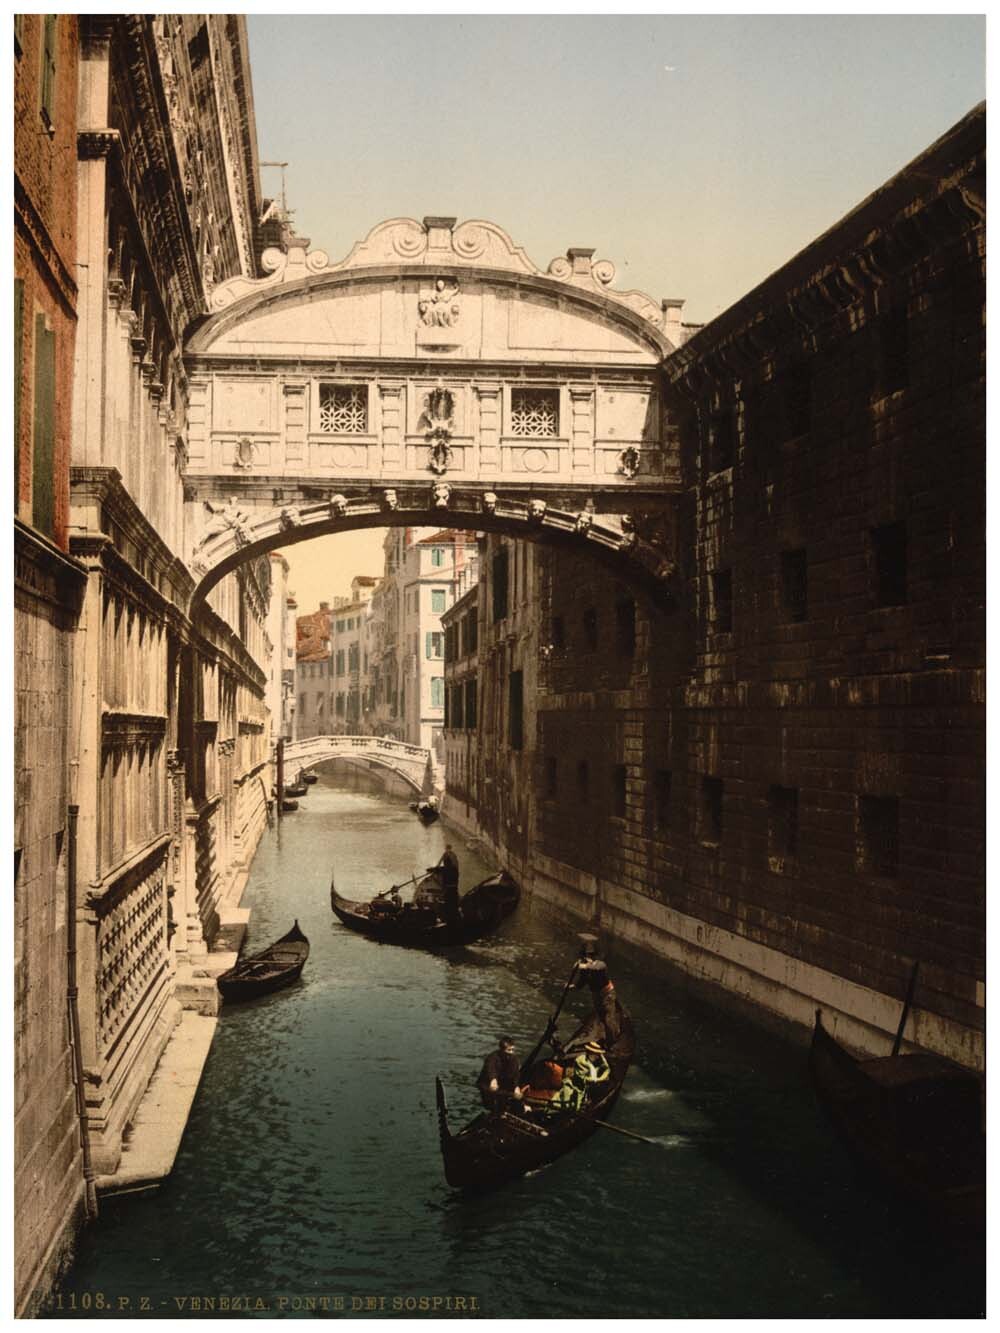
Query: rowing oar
{"type": "Point", "coordinates": [629, 1133]}
{"type": "Point", "coordinates": [395, 887]}
{"type": "Point", "coordinates": [551, 1027]}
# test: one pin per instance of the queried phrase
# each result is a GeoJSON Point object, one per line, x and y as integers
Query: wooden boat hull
{"type": "Point", "coordinates": [914, 1121]}
{"type": "Point", "coordinates": [296, 789]}
{"type": "Point", "coordinates": [482, 908]}
{"type": "Point", "coordinates": [495, 1148]}
{"type": "Point", "coordinates": [277, 966]}
{"type": "Point", "coordinates": [288, 807]}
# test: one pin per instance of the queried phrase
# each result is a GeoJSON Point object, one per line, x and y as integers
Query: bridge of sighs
{"type": "Point", "coordinates": [433, 376]}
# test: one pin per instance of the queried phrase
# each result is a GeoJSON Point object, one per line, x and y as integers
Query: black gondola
{"type": "Point", "coordinates": [482, 909]}
{"type": "Point", "coordinates": [499, 1146]}
{"type": "Point", "coordinates": [308, 776]}
{"type": "Point", "coordinates": [913, 1120]}
{"type": "Point", "coordinates": [296, 789]}
{"type": "Point", "coordinates": [288, 806]}
{"type": "Point", "coordinates": [278, 965]}
{"type": "Point", "coordinates": [426, 811]}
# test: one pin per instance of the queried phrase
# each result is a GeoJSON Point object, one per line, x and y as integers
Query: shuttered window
{"type": "Point", "coordinates": [44, 442]}
{"type": "Point", "coordinates": [48, 95]}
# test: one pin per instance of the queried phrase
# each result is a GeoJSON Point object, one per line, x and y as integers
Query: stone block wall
{"type": "Point", "coordinates": [780, 785]}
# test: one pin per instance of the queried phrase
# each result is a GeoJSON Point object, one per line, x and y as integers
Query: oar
{"type": "Point", "coordinates": [630, 1133]}
{"type": "Point", "coordinates": [395, 887]}
{"type": "Point", "coordinates": [551, 1027]}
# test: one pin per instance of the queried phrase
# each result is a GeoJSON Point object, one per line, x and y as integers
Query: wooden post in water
{"type": "Point", "coordinates": [280, 779]}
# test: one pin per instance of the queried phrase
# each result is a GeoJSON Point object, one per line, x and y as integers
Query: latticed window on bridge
{"type": "Point", "coordinates": [343, 409]}
{"type": "Point", "coordinates": [534, 413]}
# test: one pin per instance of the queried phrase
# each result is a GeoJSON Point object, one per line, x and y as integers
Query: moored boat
{"type": "Point", "coordinates": [278, 965]}
{"type": "Point", "coordinates": [420, 923]}
{"type": "Point", "coordinates": [296, 789]}
{"type": "Point", "coordinates": [498, 1146]}
{"type": "Point", "coordinates": [308, 776]}
{"type": "Point", "coordinates": [287, 806]}
{"type": "Point", "coordinates": [913, 1120]}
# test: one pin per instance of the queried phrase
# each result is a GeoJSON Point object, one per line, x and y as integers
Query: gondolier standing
{"type": "Point", "coordinates": [448, 865]}
{"type": "Point", "coordinates": [498, 1080]}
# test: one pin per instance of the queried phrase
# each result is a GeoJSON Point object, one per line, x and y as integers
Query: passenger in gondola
{"type": "Point", "coordinates": [387, 904]}
{"type": "Point", "coordinates": [588, 1069]}
{"type": "Point", "coordinates": [498, 1079]}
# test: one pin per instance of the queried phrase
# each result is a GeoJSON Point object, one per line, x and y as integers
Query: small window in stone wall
{"type": "Point", "coordinates": [782, 826]}
{"type": "Point", "coordinates": [894, 349]}
{"type": "Point", "coordinates": [796, 393]}
{"type": "Point", "coordinates": [662, 781]}
{"type": "Point", "coordinates": [471, 694]}
{"type": "Point", "coordinates": [534, 413]}
{"type": "Point", "coordinates": [625, 627]}
{"type": "Point", "coordinates": [590, 629]}
{"type": "Point", "coordinates": [551, 777]}
{"type": "Point", "coordinates": [722, 601]}
{"type": "Point", "coordinates": [343, 409]}
{"type": "Point", "coordinates": [889, 560]}
{"type": "Point", "coordinates": [878, 835]}
{"type": "Point", "coordinates": [583, 780]}
{"type": "Point", "coordinates": [619, 791]}
{"type": "Point", "coordinates": [710, 812]}
{"type": "Point", "coordinates": [721, 440]}
{"type": "Point", "coordinates": [794, 585]}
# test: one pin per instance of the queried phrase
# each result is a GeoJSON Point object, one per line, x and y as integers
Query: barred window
{"type": "Point", "coordinates": [794, 585]}
{"type": "Point", "coordinates": [878, 835]}
{"type": "Point", "coordinates": [710, 811]}
{"type": "Point", "coordinates": [534, 413]}
{"type": "Point", "coordinates": [343, 409]}
{"type": "Point", "coordinates": [782, 826]}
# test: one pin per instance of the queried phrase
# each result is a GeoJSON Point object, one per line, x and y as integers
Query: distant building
{"type": "Point", "coordinates": [281, 634]}
{"type": "Point", "coordinates": [313, 670]}
{"type": "Point", "coordinates": [461, 708]}
{"type": "Point", "coordinates": [348, 681]}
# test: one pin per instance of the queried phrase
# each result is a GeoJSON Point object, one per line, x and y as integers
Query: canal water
{"type": "Point", "coordinates": [309, 1182]}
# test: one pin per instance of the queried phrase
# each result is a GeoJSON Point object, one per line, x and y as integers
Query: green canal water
{"type": "Point", "coordinates": [309, 1182]}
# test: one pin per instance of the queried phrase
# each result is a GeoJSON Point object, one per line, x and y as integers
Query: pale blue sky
{"type": "Point", "coordinates": [696, 181]}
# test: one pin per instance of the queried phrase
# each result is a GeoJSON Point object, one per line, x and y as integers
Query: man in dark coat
{"type": "Point", "coordinates": [498, 1080]}
{"type": "Point", "coordinates": [448, 865]}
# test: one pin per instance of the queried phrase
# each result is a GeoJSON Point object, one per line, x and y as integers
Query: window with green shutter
{"type": "Point", "coordinates": [44, 442]}
{"type": "Point", "coordinates": [48, 82]}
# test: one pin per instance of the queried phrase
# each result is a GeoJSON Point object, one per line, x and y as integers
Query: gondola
{"type": "Point", "coordinates": [308, 777]}
{"type": "Point", "coordinates": [287, 806]}
{"type": "Point", "coordinates": [482, 909]}
{"type": "Point", "coordinates": [425, 811]}
{"type": "Point", "coordinates": [499, 1146]}
{"type": "Point", "coordinates": [914, 1121]}
{"type": "Point", "coordinates": [296, 789]}
{"type": "Point", "coordinates": [278, 965]}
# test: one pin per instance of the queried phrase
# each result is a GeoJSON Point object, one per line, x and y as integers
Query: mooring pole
{"type": "Point", "coordinates": [281, 774]}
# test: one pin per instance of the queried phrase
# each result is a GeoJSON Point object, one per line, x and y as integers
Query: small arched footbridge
{"type": "Point", "coordinates": [409, 762]}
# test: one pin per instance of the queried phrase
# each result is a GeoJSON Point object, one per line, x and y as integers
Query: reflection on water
{"type": "Point", "coordinates": [310, 1171]}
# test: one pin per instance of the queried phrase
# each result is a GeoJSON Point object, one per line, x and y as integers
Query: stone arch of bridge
{"type": "Point", "coordinates": [408, 762]}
